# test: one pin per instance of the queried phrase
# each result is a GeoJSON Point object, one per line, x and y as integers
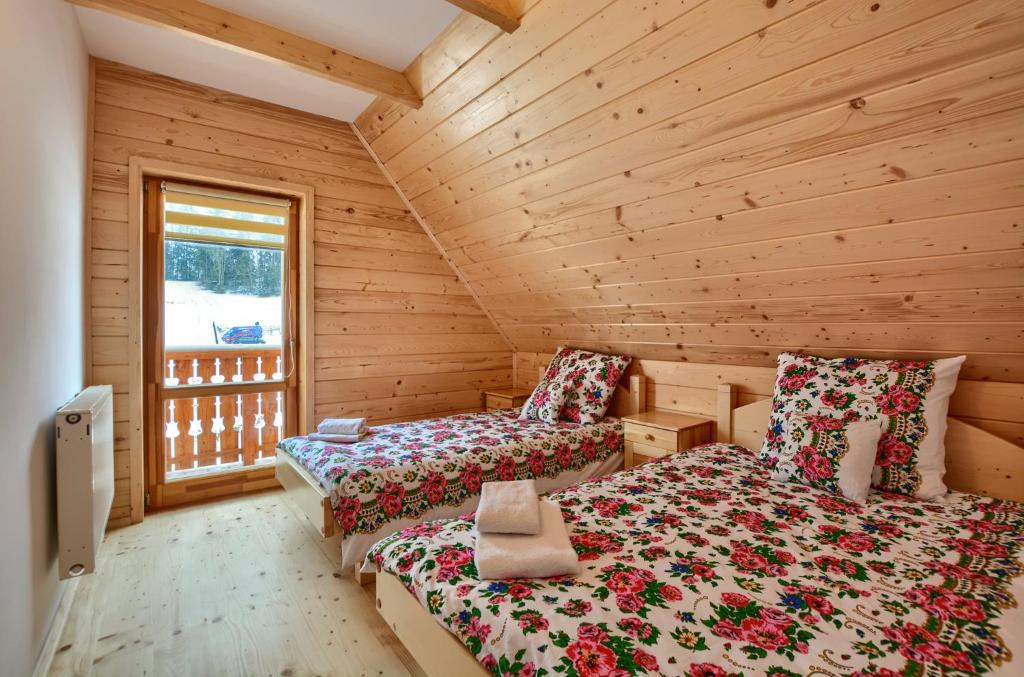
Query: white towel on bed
{"type": "Point", "coordinates": [508, 508]}
{"type": "Point", "coordinates": [342, 426]}
{"type": "Point", "coordinates": [335, 439]}
{"type": "Point", "coordinates": [548, 553]}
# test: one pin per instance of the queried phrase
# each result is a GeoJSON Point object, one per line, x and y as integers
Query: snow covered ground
{"type": "Point", "coordinates": [190, 311]}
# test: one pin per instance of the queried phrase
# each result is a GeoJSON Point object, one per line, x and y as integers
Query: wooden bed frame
{"type": "Point", "coordinates": [312, 501]}
{"type": "Point", "coordinates": [976, 461]}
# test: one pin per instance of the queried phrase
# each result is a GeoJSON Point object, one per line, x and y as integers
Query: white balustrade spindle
{"type": "Point", "coordinates": [217, 427]}
{"type": "Point", "coordinates": [238, 425]}
{"type": "Point", "coordinates": [171, 432]}
{"type": "Point", "coordinates": [217, 376]}
{"type": "Point", "coordinates": [195, 429]}
{"type": "Point", "coordinates": [259, 424]}
{"type": "Point", "coordinates": [195, 379]}
{"type": "Point", "coordinates": [171, 379]}
{"type": "Point", "coordinates": [279, 416]}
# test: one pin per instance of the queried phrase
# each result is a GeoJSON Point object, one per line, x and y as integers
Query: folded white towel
{"type": "Point", "coordinates": [342, 426]}
{"type": "Point", "coordinates": [508, 508]}
{"type": "Point", "coordinates": [334, 439]}
{"type": "Point", "coordinates": [548, 553]}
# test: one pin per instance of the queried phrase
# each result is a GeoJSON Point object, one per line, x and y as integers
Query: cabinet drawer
{"type": "Point", "coordinates": [498, 402]}
{"type": "Point", "coordinates": [652, 437]}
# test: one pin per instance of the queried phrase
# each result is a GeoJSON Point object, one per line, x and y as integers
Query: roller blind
{"type": "Point", "coordinates": [198, 214]}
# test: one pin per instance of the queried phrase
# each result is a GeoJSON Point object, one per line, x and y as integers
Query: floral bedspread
{"type": "Point", "coordinates": [700, 565]}
{"type": "Point", "coordinates": [403, 470]}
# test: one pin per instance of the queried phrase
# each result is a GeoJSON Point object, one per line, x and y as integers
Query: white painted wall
{"type": "Point", "coordinates": [43, 108]}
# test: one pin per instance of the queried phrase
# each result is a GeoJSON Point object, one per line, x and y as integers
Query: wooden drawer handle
{"type": "Point", "coordinates": [649, 437]}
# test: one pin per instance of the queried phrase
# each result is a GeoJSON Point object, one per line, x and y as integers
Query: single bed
{"type": "Point", "coordinates": [406, 473]}
{"type": "Point", "coordinates": [699, 564]}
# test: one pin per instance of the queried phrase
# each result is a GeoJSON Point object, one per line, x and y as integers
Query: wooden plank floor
{"type": "Point", "coordinates": [237, 587]}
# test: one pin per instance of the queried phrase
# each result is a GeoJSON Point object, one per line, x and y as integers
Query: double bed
{"type": "Point", "coordinates": [699, 564]}
{"type": "Point", "coordinates": [407, 473]}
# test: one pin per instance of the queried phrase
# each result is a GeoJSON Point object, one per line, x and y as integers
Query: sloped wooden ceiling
{"type": "Point", "coordinates": [717, 181]}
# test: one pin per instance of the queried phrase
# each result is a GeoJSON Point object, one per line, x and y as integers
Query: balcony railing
{"type": "Point", "coordinates": [212, 433]}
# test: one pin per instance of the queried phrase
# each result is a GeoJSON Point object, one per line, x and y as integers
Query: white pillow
{"type": "Point", "coordinates": [832, 454]}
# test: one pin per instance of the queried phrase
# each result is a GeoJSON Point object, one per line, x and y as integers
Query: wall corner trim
{"type": "Point", "coordinates": [90, 132]}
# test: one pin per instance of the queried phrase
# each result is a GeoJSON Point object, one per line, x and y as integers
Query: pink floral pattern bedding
{"type": "Point", "coordinates": [700, 565]}
{"type": "Point", "coordinates": [403, 470]}
{"type": "Point", "coordinates": [910, 397]}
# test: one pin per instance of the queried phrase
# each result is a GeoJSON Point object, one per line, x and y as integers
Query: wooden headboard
{"type": "Point", "coordinates": [630, 395]}
{"type": "Point", "coordinates": [977, 461]}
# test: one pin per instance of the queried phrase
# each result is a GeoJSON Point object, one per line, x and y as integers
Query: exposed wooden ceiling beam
{"type": "Point", "coordinates": [498, 12]}
{"type": "Point", "coordinates": [258, 39]}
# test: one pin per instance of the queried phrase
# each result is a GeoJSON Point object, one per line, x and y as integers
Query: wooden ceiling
{"type": "Point", "coordinates": [718, 181]}
{"type": "Point", "coordinates": [221, 27]}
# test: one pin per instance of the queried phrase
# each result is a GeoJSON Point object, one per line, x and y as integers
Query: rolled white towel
{"type": "Point", "coordinates": [548, 553]}
{"type": "Point", "coordinates": [335, 439]}
{"type": "Point", "coordinates": [508, 508]}
{"type": "Point", "coordinates": [342, 426]}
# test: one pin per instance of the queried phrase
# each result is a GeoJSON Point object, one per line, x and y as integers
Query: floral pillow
{"type": "Point", "coordinates": [832, 454]}
{"type": "Point", "coordinates": [910, 398]}
{"type": "Point", "coordinates": [545, 404]}
{"type": "Point", "coordinates": [542, 395]}
{"type": "Point", "coordinates": [590, 380]}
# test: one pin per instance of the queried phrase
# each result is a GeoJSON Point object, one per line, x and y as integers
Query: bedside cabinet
{"type": "Point", "coordinates": [505, 398]}
{"type": "Point", "coordinates": [653, 434]}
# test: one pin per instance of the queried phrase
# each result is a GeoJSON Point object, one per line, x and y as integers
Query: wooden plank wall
{"type": "Point", "coordinates": [397, 335]}
{"type": "Point", "coordinates": [717, 180]}
{"type": "Point", "coordinates": [996, 407]}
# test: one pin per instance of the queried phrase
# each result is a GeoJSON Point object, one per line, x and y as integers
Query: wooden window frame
{"type": "Point", "coordinates": [139, 169]}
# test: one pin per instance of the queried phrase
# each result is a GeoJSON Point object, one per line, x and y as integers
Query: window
{"type": "Point", "coordinates": [220, 332]}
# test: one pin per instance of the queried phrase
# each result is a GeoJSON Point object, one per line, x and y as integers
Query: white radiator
{"type": "Point", "coordinates": [85, 477]}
